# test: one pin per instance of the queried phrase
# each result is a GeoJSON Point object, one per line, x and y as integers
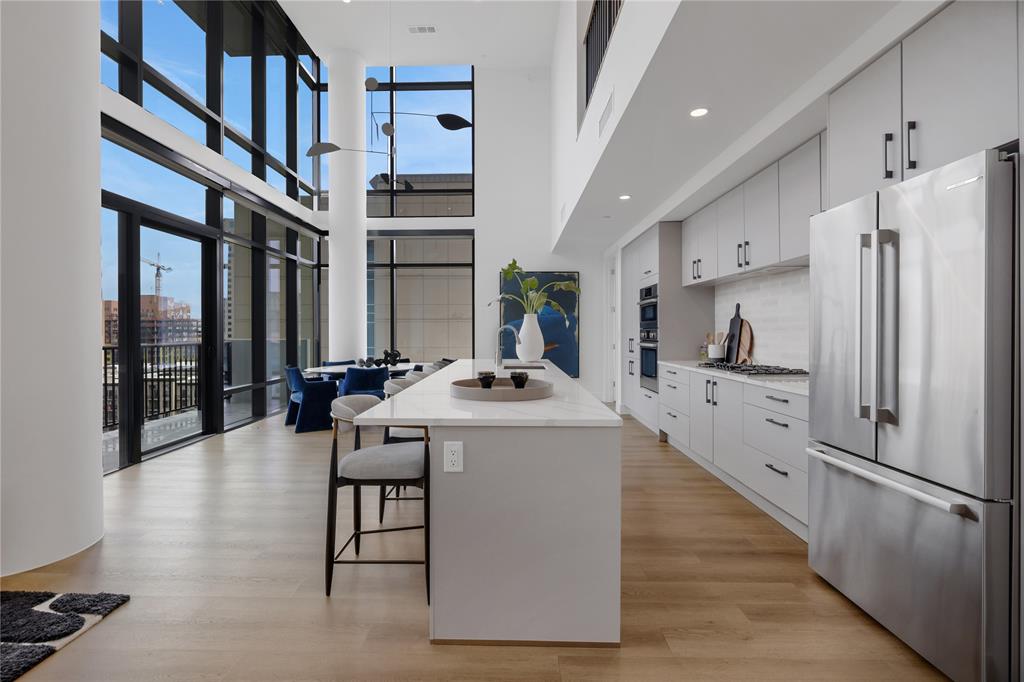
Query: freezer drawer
{"type": "Point", "coordinates": [931, 566]}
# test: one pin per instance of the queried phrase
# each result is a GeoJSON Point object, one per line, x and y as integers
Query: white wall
{"type": "Point", "coordinates": [50, 465]}
{"type": "Point", "coordinates": [513, 199]}
{"type": "Point", "coordinates": [778, 309]}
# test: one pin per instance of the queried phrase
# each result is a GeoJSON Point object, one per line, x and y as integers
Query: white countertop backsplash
{"type": "Point", "coordinates": [778, 309]}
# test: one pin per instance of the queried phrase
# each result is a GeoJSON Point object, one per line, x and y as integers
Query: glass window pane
{"type": "Point", "coordinates": [237, 219]}
{"type": "Point", "coordinates": [378, 250]}
{"type": "Point", "coordinates": [433, 250]}
{"type": "Point", "coordinates": [237, 154]}
{"type": "Point", "coordinates": [324, 326]}
{"type": "Point", "coordinates": [277, 397]}
{"type": "Point", "coordinates": [325, 135]}
{"type": "Point", "coordinates": [109, 75]}
{"type": "Point", "coordinates": [277, 331]}
{"type": "Point", "coordinates": [277, 135]}
{"type": "Point", "coordinates": [237, 287]}
{"type": "Point", "coordinates": [136, 177]}
{"type": "Point", "coordinates": [433, 74]}
{"type": "Point", "coordinates": [108, 287]}
{"type": "Point", "coordinates": [237, 407]}
{"type": "Point", "coordinates": [434, 312]}
{"type": "Point", "coordinates": [166, 108]}
{"type": "Point", "coordinates": [276, 180]}
{"type": "Point", "coordinates": [305, 245]}
{"type": "Point", "coordinates": [238, 68]}
{"type": "Point", "coordinates": [109, 18]}
{"type": "Point", "coordinates": [305, 131]}
{"type": "Point", "coordinates": [378, 312]}
{"type": "Point", "coordinates": [307, 352]}
{"type": "Point", "coordinates": [174, 36]}
{"type": "Point", "coordinates": [276, 235]}
{"type": "Point", "coordinates": [378, 179]}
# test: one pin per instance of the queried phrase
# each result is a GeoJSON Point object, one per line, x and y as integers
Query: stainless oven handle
{"type": "Point", "coordinates": [950, 507]}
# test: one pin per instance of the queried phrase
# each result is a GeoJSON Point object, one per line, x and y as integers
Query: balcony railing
{"type": "Point", "coordinates": [170, 380]}
{"type": "Point", "coordinates": [599, 33]}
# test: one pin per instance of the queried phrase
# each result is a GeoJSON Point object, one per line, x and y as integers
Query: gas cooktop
{"type": "Point", "coordinates": [736, 368]}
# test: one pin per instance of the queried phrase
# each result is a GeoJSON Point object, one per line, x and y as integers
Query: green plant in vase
{"type": "Point", "coordinates": [533, 297]}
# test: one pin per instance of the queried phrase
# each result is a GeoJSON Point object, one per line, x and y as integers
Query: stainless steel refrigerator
{"type": "Point", "coordinates": [913, 362]}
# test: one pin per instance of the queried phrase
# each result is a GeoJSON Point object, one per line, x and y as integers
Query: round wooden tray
{"type": "Point", "coordinates": [502, 390]}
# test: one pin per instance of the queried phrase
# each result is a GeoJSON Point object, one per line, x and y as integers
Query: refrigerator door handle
{"type": "Point", "coordinates": [886, 414]}
{"type": "Point", "coordinates": [955, 508]}
{"type": "Point", "coordinates": [861, 411]}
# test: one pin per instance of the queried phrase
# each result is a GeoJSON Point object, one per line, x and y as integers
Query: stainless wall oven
{"type": "Point", "coordinates": [648, 308]}
{"type": "Point", "coordinates": [649, 337]}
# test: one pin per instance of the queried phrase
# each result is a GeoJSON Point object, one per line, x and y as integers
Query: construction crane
{"type": "Point", "coordinates": [160, 270]}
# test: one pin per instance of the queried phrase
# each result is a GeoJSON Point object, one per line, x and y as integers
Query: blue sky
{"type": "Point", "coordinates": [175, 46]}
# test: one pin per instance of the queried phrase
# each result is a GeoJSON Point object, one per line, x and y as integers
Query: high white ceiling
{"type": "Point", "coordinates": [739, 59]}
{"type": "Point", "coordinates": [509, 33]}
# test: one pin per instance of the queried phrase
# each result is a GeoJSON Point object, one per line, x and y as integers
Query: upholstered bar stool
{"type": "Point", "coordinates": [390, 464]}
{"type": "Point", "coordinates": [397, 434]}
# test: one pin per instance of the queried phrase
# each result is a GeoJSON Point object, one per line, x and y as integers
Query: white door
{"type": "Point", "coordinates": [799, 198]}
{"type": "Point", "coordinates": [959, 84]}
{"type": "Point", "coordinates": [761, 219]}
{"type": "Point", "coordinates": [630, 326]}
{"type": "Point", "coordinates": [730, 232]}
{"type": "Point", "coordinates": [864, 140]}
{"type": "Point", "coordinates": [702, 433]}
{"type": "Point", "coordinates": [727, 402]}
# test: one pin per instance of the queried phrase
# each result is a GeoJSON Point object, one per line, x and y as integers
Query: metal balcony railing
{"type": "Point", "coordinates": [599, 33]}
{"type": "Point", "coordinates": [170, 380]}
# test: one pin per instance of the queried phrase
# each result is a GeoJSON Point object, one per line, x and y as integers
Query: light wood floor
{"type": "Point", "coordinates": [221, 547]}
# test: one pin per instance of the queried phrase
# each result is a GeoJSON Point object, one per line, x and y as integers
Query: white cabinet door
{"type": "Point", "coordinates": [707, 256]}
{"type": "Point", "coordinates": [799, 198]}
{"type": "Point", "coordinates": [727, 401]}
{"type": "Point", "coordinates": [761, 219]}
{"type": "Point", "coordinates": [864, 141]}
{"type": "Point", "coordinates": [730, 232]}
{"type": "Point", "coordinates": [691, 250]}
{"type": "Point", "coordinates": [702, 417]}
{"type": "Point", "coordinates": [647, 407]}
{"type": "Point", "coordinates": [629, 317]}
{"type": "Point", "coordinates": [959, 84]}
{"type": "Point", "coordinates": [648, 251]}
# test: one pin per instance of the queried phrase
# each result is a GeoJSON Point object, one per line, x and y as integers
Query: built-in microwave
{"type": "Point", "coordinates": [649, 307]}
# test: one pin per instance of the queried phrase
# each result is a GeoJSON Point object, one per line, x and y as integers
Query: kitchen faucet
{"type": "Point", "coordinates": [497, 353]}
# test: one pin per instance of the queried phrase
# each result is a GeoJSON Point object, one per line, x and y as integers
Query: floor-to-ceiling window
{"type": "Point", "coordinates": [424, 167]}
{"type": "Point", "coordinates": [419, 292]}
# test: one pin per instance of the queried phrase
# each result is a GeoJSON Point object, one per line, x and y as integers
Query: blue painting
{"type": "Point", "coordinates": [561, 341]}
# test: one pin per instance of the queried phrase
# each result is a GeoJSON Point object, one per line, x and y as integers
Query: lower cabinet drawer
{"type": "Point", "coordinates": [675, 424]}
{"type": "Point", "coordinates": [792, 404]}
{"type": "Point", "coordinates": [674, 394]}
{"type": "Point", "coordinates": [782, 437]}
{"type": "Point", "coordinates": [676, 374]}
{"type": "Point", "coordinates": [780, 483]}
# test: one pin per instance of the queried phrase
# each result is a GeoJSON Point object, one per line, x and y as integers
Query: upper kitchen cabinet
{"type": "Point", "coordinates": [959, 84]}
{"type": "Point", "coordinates": [799, 198]}
{"type": "Point", "coordinates": [647, 254]}
{"type": "Point", "coordinates": [864, 131]}
{"type": "Point", "coordinates": [761, 219]}
{"type": "Point", "coordinates": [700, 246]}
{"type": "Point", "coordinates": [691, 250]}
{"type": "Point", "coordinates": [730, 232]}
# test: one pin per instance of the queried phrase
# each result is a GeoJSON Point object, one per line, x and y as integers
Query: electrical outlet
{"type": "Point", "coordinates": [453, 456]}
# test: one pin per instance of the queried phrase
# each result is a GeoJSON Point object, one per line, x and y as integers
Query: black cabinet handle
{"type": "Point", "coordinates": [911, 163]}
{"type": "Point", "coordinates": [700, 268]}
{"type": "Point", "coordinates": [776, 399]}
{"type": "Point", "coordinates": [670, 371]}
{"type": "Point", "coordinates": [772, 421]}
{"type": "Point", "coordinates": [739, 259]}
{"type": "Point", "coordinates": [672, 387]}
{"type": "Point", "coordinates": [746, 254]}
{"type": "Point", "coordinates": [886, 139]}
{"type": "Point", "coordinates": [714, 390]}
{"type": "Point", "coordinates": [693, 269]}
{"type": "Point", "coordinates": [780, 472]}
{"type": "Point", "coordinates": [647, 272]}
{"type": "Point", "coordinates": [671, 415]}
{"type": "Point", "coordinates": [707, 385]}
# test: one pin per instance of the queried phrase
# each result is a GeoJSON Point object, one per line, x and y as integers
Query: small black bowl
{"type": "Point", "coordinates": [486, 379]}
{"type": "Point", "coordinates": [519, 379]}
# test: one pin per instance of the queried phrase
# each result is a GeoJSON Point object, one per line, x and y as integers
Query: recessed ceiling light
{"type": "Point", "coordinates": [346, 1]}
{"type": "Point", "coordinates": [698, 112]}
{"type": "Point", "coordinates": [625, 197]}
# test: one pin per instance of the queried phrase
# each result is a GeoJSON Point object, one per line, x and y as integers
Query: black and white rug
{"type": "Point", "coordinates": [33, 625]}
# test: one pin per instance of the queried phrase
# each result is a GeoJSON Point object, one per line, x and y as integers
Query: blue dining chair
{"type": "Point", "coordinates": [364, 381]}
{"type": "Point", "coordinates": [329, 363]}
{"type": "Point", "coordinates": [309, 406]}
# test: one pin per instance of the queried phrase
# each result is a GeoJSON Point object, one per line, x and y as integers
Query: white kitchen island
{"type": "Point", "coordinates": [525, 541]}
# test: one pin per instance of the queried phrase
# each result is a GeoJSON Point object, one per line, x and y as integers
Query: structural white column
{"type": "Point", "coordinates": [51, 499]}
{"type": "Point", "coordinates": [347, 242]}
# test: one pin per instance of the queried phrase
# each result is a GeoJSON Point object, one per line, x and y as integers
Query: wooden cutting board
{"type": "Point", "coordinates": [745, 349]}
{"type": "Point", "coordinates": [732, 342]}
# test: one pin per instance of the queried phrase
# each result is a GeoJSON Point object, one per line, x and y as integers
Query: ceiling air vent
{"type": "Point", "coordinates": [422, 30]}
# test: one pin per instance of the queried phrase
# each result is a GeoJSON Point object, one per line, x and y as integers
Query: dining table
{"type": "Point", "coordinates": [401, 367]}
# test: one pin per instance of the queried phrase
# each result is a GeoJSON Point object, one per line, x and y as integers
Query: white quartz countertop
{"type": "Point", "coordinates": [428, 402]}
{"type": "Point", "coordinates": [793, 383]}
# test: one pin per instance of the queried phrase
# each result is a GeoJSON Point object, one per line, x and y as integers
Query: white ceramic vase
{"type": "Point", "coordinates": [531, 342]}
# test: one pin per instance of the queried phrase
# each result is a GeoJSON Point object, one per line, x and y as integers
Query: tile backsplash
{"type": "Point", "coordinates": [778, 309]}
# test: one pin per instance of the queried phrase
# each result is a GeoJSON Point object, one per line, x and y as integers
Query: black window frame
{"type": "Point", "coordinates": [128, 52]}
{"type": "Point", "coordinates": [392, 192]}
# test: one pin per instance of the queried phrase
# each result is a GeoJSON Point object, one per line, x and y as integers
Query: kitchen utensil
{"type": "Point", "coordinates": [745, 348]}
{"type": "Point", "coordinates": [732, 342]}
